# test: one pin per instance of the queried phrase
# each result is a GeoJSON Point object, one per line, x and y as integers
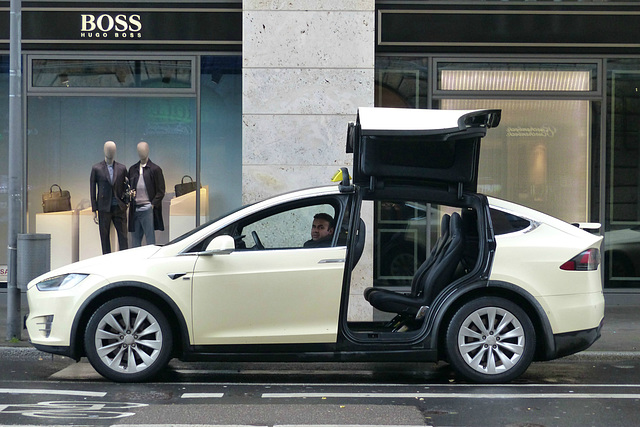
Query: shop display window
{"type": "Point", "coordinates": [189, 127]}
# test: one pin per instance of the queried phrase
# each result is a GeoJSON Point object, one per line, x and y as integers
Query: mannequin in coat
{"type": "Point", "coordinates": [145, 214]}
{"type": "Point", "coordinates": [107, 192]}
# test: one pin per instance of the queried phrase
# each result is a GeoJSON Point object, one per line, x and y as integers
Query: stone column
{"type": "Point", "coordinates": [307, 66]}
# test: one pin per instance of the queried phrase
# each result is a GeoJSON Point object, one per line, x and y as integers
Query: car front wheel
{"type": "Point", "coordinates": [490, 340]}
{"type": "Point", "coordinates": [128, 339]}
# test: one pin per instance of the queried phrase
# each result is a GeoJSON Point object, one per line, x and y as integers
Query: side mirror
{"type": "Point", "coordinates": [221, 245]}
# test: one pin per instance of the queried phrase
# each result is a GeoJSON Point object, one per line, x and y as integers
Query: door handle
{"type": "Point", "coordinates": [331, 261]}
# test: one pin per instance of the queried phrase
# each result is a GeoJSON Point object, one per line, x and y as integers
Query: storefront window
{"type": "Point", "coordinates": [401, 82]}
{"type": "Point", "coordinates": [111, 73]}
{"type": "Point", "coordinates": [622, 225]}
{"type": "Point", "coordinates": [540, 156]}
{"type": "Point", "coordinates": [68, 126]}
{"type": "Point", "coordinates": [221, 129]}
{"type": "Point", "coordinates": [537, 157]}
{"type": "Point", "coordinates": [66, 136]}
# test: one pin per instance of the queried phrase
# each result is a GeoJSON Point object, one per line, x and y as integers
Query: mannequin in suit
{"type": "Point", "coordinates": [145, 215]}
{"type": "Point", "coordinates": [107, 191]}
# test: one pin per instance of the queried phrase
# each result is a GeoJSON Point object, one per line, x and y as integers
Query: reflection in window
{"type": "Point", "coordinates": [404, 235]}
{"type": "Point", "coordinates": [622, 228]}
{"type": "Point", "coordinates": [401, 82]}
{"type": "Point", "coordinates": [105, 73]}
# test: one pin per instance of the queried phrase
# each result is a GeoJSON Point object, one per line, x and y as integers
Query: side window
{"type": "Point", "coordinates": [307, 226]}
{"type": "Point", "coordinates": [504, 222]}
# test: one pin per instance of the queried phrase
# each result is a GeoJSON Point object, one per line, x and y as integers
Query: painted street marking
{"type": "Point", "coordinates": [201, 395]}
{"type": "Point", "coordinates": [73, 410]}
{"type": "Point", "coordinates": [274, 425]}
{"type": "Point", "coordinates": [56, 392]}
{"type": "Point", "coordinates": [451, 395]}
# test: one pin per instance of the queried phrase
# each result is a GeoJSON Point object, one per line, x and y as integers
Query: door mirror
{"type": "Point", "coordinates": [221, 245]}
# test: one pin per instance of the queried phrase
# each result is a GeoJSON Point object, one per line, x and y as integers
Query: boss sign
{"type": "Point", "coordinates": [105, 25]}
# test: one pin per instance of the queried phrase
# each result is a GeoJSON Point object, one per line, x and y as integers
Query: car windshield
{"type": "Point", "coordinates": [205, 225]}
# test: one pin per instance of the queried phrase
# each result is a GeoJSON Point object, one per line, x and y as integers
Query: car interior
{"type": "Point", "coordinates": [453, 255]}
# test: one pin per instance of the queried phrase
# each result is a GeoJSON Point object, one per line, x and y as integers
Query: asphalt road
{"type": "Point", "coordinates": [39, 389]}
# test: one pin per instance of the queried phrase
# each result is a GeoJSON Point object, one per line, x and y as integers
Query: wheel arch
{"type": "Point", "coordinates": [134, 289]}
{"type": "Point", "coordinates": [545, 346]}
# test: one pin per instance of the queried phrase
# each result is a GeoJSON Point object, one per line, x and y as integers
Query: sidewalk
{"type": "Point", "coordinates": [620, 333]}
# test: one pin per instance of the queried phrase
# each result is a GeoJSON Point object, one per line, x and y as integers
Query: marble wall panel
{"type": "Point", "coordinates": [308, 4]}
{"type": "Point", "coordinates": [310, 39]}
{"type": "Point", "coordinates": [296, 139]}
{"type": "Point", "coordinates": [306, 91]}
{"type": "Point", "coordinates": [262, 181]}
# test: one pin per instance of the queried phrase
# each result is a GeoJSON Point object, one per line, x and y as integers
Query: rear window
{"type": "Point", "coordinates": [505, 223]}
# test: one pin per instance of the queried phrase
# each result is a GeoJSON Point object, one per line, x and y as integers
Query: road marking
{"type": "Point", "coordinates": [274, 425]}
{"type": "Point", "coordinates": [201, 395]}
{"type": "Point", "coordinates": [451, 395]}
{"type": "Point", "coordinates": [73, 410]}
{"type": "Point", "coordinates": [56, 392]}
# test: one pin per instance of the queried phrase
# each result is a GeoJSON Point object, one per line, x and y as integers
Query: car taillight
{"type": "Point", "coordinates": [585, 261]}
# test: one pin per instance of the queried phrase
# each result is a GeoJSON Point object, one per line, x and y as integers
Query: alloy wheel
{"type": "Point", "coordinates": [491, 340]}
{"type": "Point", "coordinates": [128, 339]}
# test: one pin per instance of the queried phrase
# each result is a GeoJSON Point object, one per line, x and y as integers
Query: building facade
{"type": "Point", "coordinates": [252, 98]}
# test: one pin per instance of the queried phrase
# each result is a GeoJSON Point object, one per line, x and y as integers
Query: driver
{"type": "Point", "coordinates": [321, 231]}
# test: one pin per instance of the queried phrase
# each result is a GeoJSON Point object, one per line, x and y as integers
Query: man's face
{"type": "Point", "coordinates": [320, 229]}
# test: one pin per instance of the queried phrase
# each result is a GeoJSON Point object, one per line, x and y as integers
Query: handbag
{"type": "Point", "coordinates": [57, 201]}
{"type": "Point", "coordinates": [185, 187]}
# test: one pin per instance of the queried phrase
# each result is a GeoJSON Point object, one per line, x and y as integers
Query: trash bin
{"type": "Point", "coordinates": [34, 257]}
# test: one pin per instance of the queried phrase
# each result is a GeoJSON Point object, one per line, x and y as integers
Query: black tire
{"type": "Point", "coordinates": [128, 339]}
{"type": "Point", "coordinates": [490, 340]}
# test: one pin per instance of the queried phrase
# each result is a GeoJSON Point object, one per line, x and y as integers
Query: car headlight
{"type": "Point", "coordinates": [66, 281]}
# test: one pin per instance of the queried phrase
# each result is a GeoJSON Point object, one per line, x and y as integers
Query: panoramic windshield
{"type": "Point", "coordinates": [205, 225]}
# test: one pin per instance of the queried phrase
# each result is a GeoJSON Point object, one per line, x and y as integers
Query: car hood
{"type": "Point", "coordinates": [102, 265]}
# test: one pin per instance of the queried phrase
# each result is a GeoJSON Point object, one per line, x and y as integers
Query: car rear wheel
{"type": "Point", "coordinates": [128, 339]}
{"type": "Point", "coordinates": [490, 340]}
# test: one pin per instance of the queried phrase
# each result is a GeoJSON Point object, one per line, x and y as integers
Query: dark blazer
{"type": "Point", "coordinates": [101, 201]}
{"type": "Point", "coordinates": [154, 181]}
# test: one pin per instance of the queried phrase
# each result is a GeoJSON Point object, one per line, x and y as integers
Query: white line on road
{"type": "Point", "coordinates": [56, 392]}
{"type": "Point", "coordinates": [201, 395]}
{"type": "Point", "coordinates": [258, 425]}
{"type": "Point", "coordinates": [452, 395]}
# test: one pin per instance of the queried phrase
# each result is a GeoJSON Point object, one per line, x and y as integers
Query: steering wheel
{"type": "Point", "coordinates": [256, 239]}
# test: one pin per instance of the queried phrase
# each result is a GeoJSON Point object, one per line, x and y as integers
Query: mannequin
{"type": "Point", "coordinates": [145, 215]}
{"type": "Point", "coordinates": [107, 192]}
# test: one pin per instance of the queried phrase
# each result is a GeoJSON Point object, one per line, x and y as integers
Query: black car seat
{"type": "Point", "coordinates": [429, 281]}
{"type": "Point", "coordinates": [424, 267]}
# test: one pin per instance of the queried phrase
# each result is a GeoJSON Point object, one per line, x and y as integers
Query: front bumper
{"type": "Point", "coordinates": [52, 349]}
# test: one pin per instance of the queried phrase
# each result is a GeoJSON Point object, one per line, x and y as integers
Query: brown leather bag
{"type": "Point", "coordinates": [185, 187]}
{"type": "Point", "coordinates": [56, 201]}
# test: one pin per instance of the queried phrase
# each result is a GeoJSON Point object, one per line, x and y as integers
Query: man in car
{"type": "Point", "coordinates": [321, 231]}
